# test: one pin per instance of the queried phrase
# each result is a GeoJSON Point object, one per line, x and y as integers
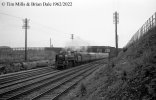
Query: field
{"type": "Point", "coordinates": [14, 60]}
{"type": "Point", "coordinates": [9, 56]}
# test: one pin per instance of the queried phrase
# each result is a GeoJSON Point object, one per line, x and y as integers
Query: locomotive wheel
{"type": "Point", "coordinates": [74, 64]}
{"type": "Point", "coordinates": [65, 67]}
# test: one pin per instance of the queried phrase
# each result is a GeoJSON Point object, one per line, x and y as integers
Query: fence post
{"type": "Point", "coordinates": [141, 31]}
{"type": "Point", "coordinates": [149, 23]}
{"type": "Point", "coordinates": [152, 20]}
{"type": "Point", "coordinates": [144, 29]}
{"type": "Point", "coordinates": [155, 19]}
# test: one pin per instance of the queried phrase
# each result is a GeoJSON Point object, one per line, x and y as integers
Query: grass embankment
{"type": "Point", "coordinates": [130, 76]}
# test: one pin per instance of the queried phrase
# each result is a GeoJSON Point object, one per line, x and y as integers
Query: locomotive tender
{"type": "Point", "coordinates": [69, 59]}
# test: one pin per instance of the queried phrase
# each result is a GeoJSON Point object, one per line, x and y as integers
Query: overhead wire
{"type": "Point", "coordinates": [2, 13]}
{"type": "Point", "coordinates": [42, 25]}
{"type": "Point", "coordinates": [47, 27]}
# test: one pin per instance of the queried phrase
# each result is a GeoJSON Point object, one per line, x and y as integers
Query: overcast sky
{"type": "Point", "coordinates": [91, 22]}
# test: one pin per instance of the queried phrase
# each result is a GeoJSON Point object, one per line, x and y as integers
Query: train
{"type": "Point", "coordinates": [64, 60]}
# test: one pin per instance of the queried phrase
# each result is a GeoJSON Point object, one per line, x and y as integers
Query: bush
{"type": "Point", "coordinates": [124, 76]}
{"type": "Point", "coordinates": [124, 49]}
{"type": "Point", "coordinates": [83, 89]}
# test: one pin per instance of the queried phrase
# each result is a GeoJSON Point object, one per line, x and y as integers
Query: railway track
{"type": "Point", "coordinates": [64, 85]}
{"type": "Point", "coordinates": [7, 78]}
{"type": "Point", "coordinates": [49, 86]}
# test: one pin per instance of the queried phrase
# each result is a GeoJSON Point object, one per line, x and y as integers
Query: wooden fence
{"type": "Point", "coordinates": [148, 25]}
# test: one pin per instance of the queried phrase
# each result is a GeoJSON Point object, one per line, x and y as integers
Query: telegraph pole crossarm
{"type": "Point", "coordinates": [72, 36]}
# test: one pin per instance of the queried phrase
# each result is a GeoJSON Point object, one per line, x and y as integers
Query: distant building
{"type": "Point", "coordinates": [55, 49]}
{"type": "Point", "coordinates": [103, 49]}
{"type": "Point", "coordinates": [100, 49]}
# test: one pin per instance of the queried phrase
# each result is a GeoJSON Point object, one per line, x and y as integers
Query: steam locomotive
{"type": "Point", "coordinates": [70, 59]}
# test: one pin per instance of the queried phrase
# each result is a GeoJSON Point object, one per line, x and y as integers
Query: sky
{"type": "Point", "coordinates": [91, 22]}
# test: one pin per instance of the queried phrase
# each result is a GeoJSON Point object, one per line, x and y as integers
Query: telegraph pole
{"type": "Point", "coordinates": [50, 42]}
{"type": "Point", "coordinates": [116, 21]}
{"type": "Point", "coordinates": [72, 46]}
{"type": "Point", "coordinates": [72, 36]}
{"type": "Point", "coordinates": [25, 26]}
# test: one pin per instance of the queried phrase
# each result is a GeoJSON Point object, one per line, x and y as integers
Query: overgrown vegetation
{"type": "Point", "coordinates": [130, 76]}
{"type": "Point", "coordinates": [139, 83]}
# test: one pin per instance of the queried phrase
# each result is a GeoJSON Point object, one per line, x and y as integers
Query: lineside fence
{"type": "Point", "coordinates": [148, 25]}
{"type": "Point", "coordinates": [34, 53]}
